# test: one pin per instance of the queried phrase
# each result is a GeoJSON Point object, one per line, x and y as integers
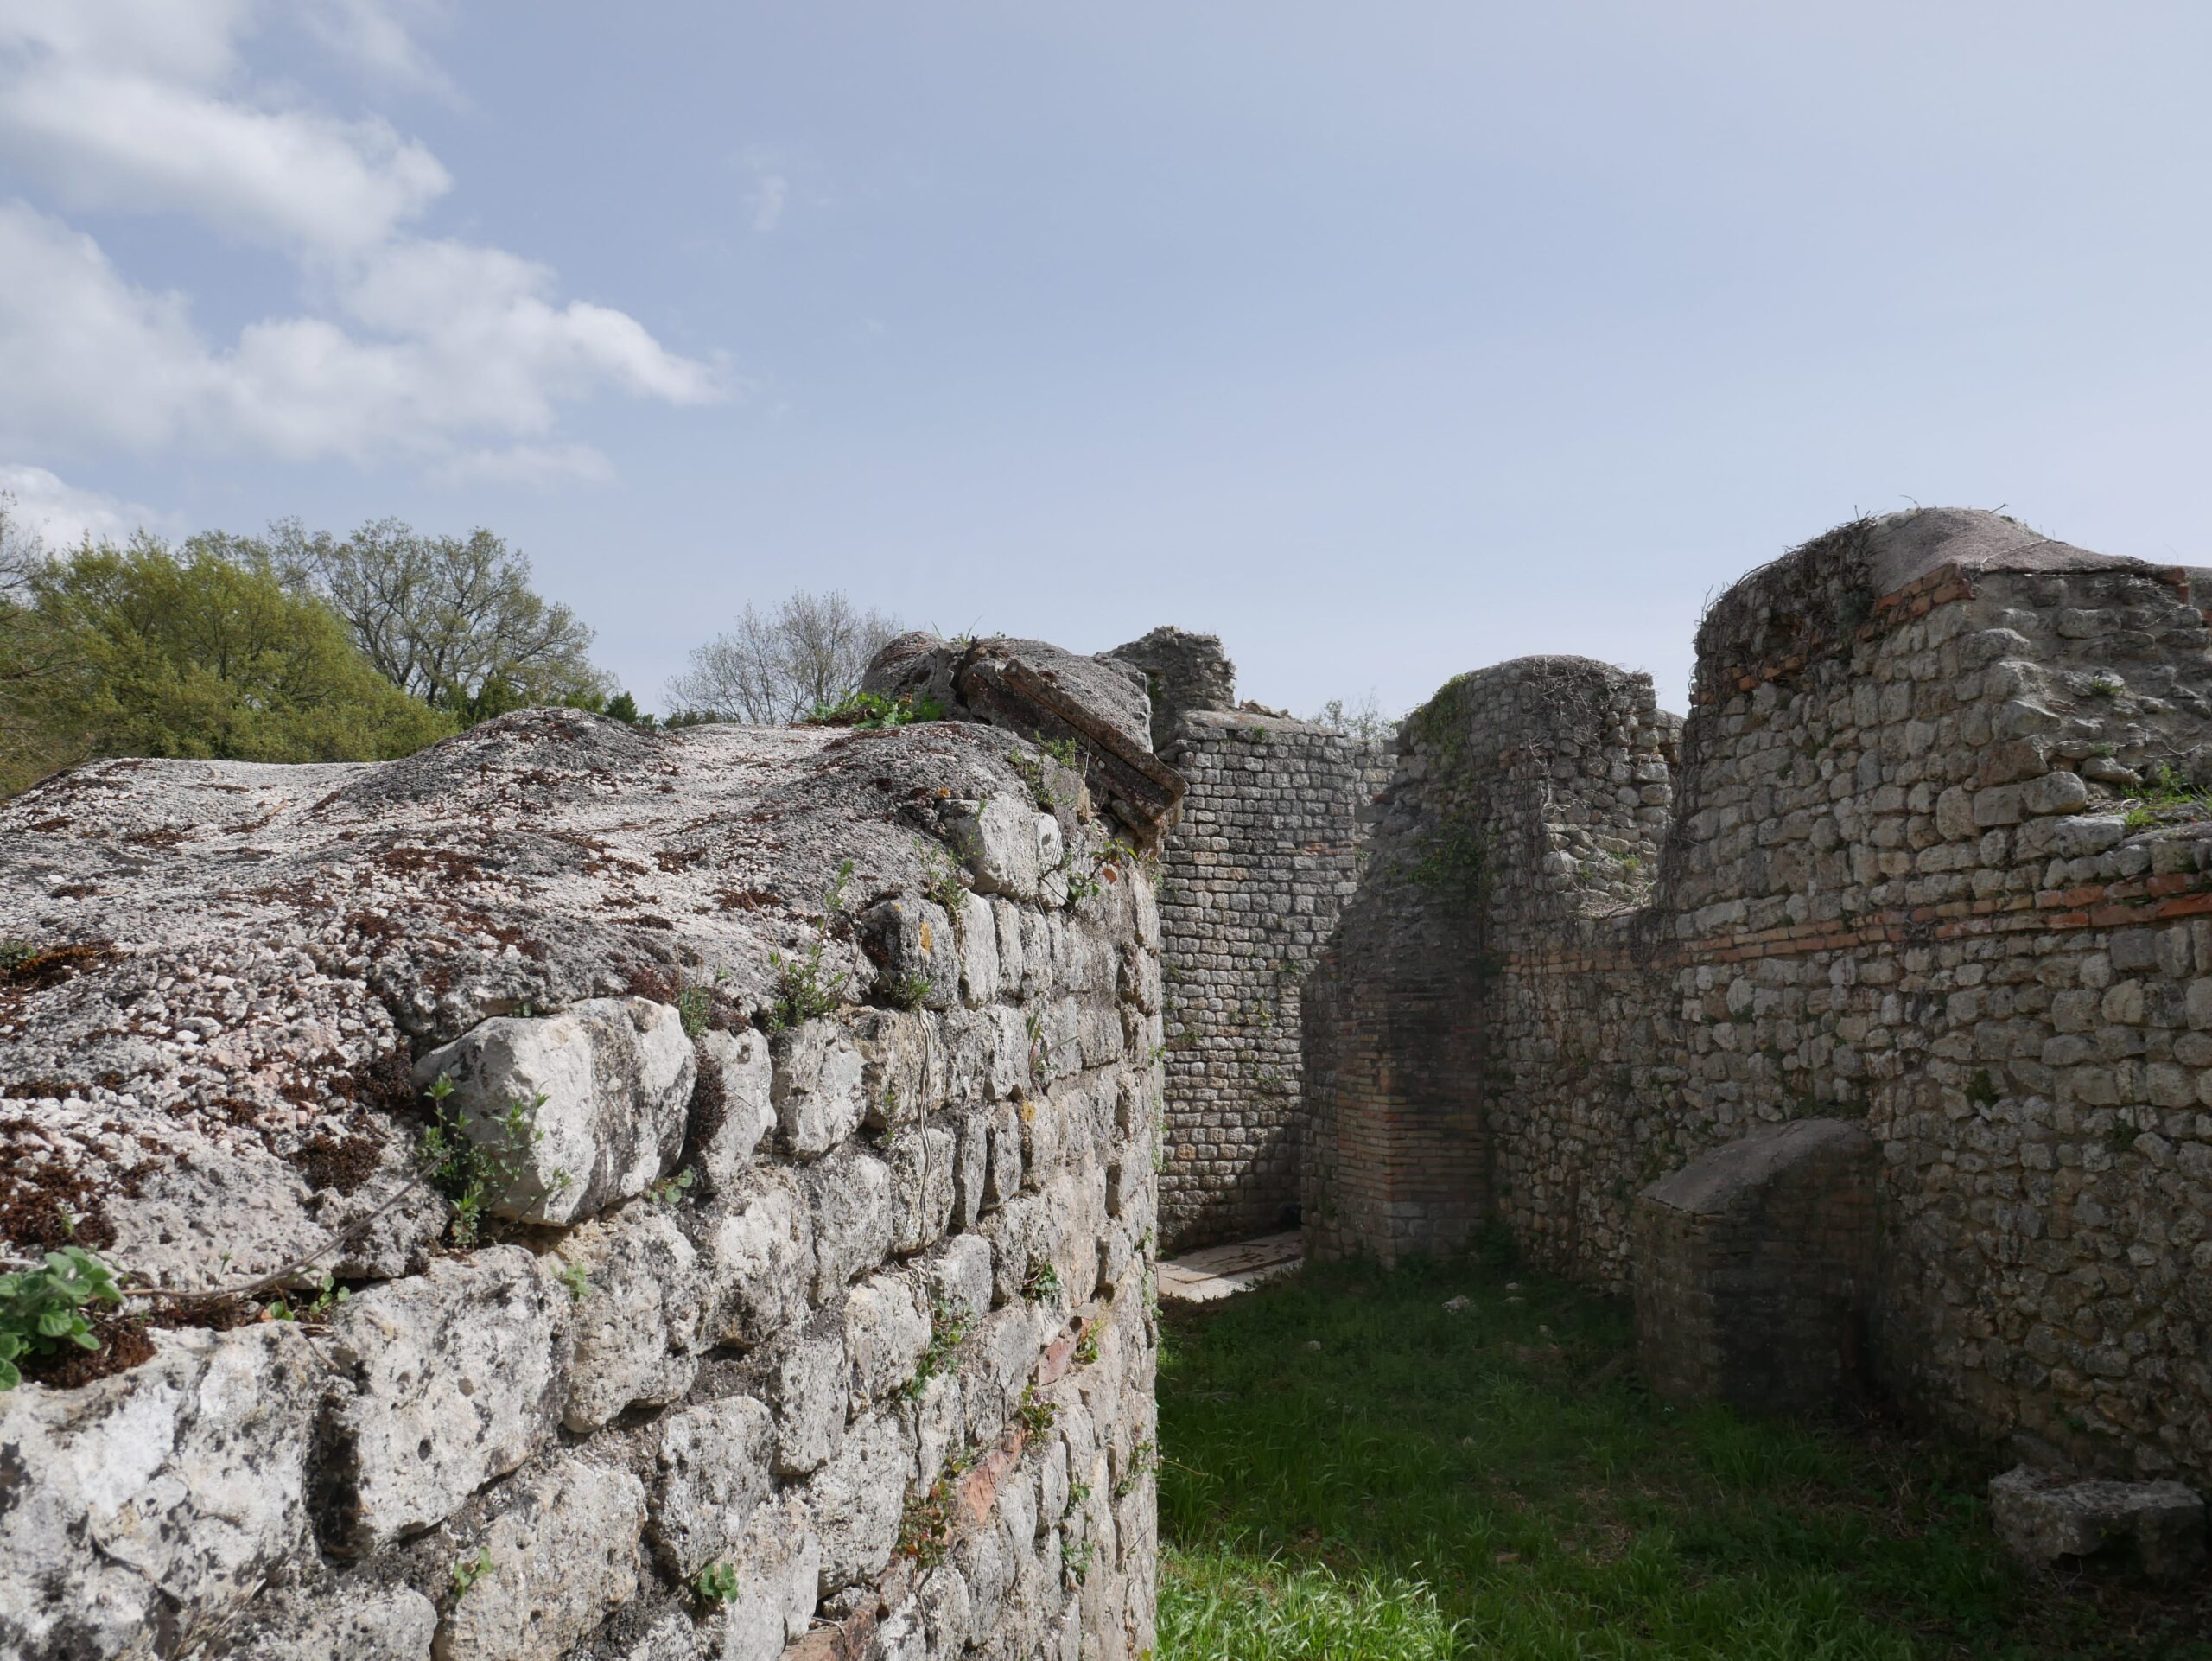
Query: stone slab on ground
{"type": "Point", "coordinates": [1221, 1271]}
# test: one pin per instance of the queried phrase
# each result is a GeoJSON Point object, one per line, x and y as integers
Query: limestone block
{"type": "Point", "coordinates": [711, 1472]}
{"type": "Point", "coordinates": [886, 1329]}
{"type": "Point", "coordinates": [1007, 918]}
{"type": "Point", "coordinates": [902, 1066]}
{"type": "Point", "coordinates": [163, 1494]}
{"type": "Point", "coordinates": [922, 1171]}
{"type": "Point", "coordinates": [740, 1065]}
{"type": "Point", "coordinates": [761, 1258]}
{"type": "Point", "coordinates": [564, 1555]}
{"type": "Point", "coordinates": [853, 1502]}
{"type": "Point", "coordinates": [913, 945]}
{"type": "Point", "coordinates": [639, 1312]}
{"type": "Point", "coordinates": [979, 951]}
{"type": "Point", "coordinates": [779, 1563]}
{"type": "Point", "coordinates": [360, 1623]}
{"type": "Point", "coordinates": [960, 1275]}
{"type": "Point", "coordinates": [848, 1197]}
{"type": "Point", "coordinates": [615, 1075]}
{"type": "Point", "coordinates": [997, 841]}
{"type": "Point", "coordinates": [971, 1165]}
{"type": "Point", "coordinates": [806, 1385]}
{"type": "Point", "coordinates": [817, 1086]}
{"type": "Point", "coordinates": [450, 1379]}
{"type": "Point", "coordinates": [2048, 1520]}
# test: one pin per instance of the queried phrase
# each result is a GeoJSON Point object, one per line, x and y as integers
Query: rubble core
{"type": "Point", "coordinates": [726, 1141]}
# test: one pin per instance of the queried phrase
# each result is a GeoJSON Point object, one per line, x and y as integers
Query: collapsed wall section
{"type": "Point", "coordinates": [768, 1275]}
{"type": "Point", "coordinates": [1935, 866]}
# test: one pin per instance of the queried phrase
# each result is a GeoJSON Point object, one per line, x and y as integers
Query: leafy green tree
{"type": "Point", "coordinates": [142, 652]}
{"type": "Point", "coordinates": [452, 621]}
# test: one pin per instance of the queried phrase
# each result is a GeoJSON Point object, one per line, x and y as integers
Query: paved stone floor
{"type": "Point", "coordinates": [1221, 1271]}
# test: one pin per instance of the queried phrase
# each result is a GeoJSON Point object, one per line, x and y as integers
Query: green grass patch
{"type": "Point", "coordinates": [1497, 1483]}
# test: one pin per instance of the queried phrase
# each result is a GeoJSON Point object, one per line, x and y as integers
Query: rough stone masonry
{"type": "Point", "coordinates": [1925, 864]}
{"type": "Point", "coordinates": [735, 1150]}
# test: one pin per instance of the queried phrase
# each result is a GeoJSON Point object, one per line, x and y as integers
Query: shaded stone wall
{"type": "Point", "coordinates": [1917, 874]}
{"type": "Point", "coordinates": [1252, 883]}
{"type": "Point", "coordinates": [783, 1288]}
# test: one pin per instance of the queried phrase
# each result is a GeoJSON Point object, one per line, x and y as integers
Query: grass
{"type": "Point", "coordinates": [1495, 1483]}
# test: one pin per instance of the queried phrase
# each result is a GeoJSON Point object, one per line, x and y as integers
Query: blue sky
{"type": "Point", "coordinates": [1385, 339]}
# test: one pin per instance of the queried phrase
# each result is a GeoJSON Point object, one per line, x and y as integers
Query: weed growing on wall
{"type": "Point", "coordinates": [470, 1168]}
{"type": "Point", "coordinates": [42, 1310]}
{"type": "Point", "coordinates": [804, 990]}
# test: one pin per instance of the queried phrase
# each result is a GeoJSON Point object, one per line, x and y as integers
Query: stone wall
{"type": "Point", "coordinates": [1252, 880]}
{"type": "Point", "coordinates": [1252, 883]}
{"type": "Point", "coordinates": [1918, 873]}
{"type": "Point", "coordinates": [773, 1280]}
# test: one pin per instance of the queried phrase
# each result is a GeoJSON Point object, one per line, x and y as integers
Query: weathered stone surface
{"type": "Point", "coordinates": [448, 1379]}
{"type": "Point", "coordinates": [1040, 691]}
{"type": "Point", "coordinates": [886, 1329]}
{"type": "Point", "coordinates": [2048, 1520]}
{"type": "Point", "coordinates": [855, 1500]}
{"type": "Point", "coordinates": [817, 1087]}
{"type": "Point", "coordinates": [1183, 671]}
{"type": "Point", "coordinates": [778, 1561]}
{"type": "Point", "coordinates": [911, 943]}
{"type": "Point", "coordinates": [922, 1170]}
{"type": "Point", "coordinates": [746, 1112]}
{"type": "Point", "coordinates": [713, 1472]}
{"type": "Point", "coordinates": [639, 1314]}
{"type": "Point", "coordinates": [230, 1071]}
{"type": "Point", "coordinates": [165, 1493]}
{"type": "Point", "coordinates": [960, 1275]}
{"type": "Point", "coordinates": [807, 1388]}
{"type": "Point", "coordinates": [563, 1554]}
{"type": "Point", "coordinates": [849, 1200]}
{"type": "Point", "coordinates": [374, 1623]}
{"type": "Point", "coordinates": [761, 1258]}
{"type": "Point", "coordinates": [611, 1081]}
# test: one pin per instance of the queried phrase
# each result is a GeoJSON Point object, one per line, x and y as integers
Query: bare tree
{"type": "Point", "coordinates": [453, 621]}
{"type": "Point", "coordinates": [812, 653]}
{"type": "Point", "coordinates": [1363, 720]}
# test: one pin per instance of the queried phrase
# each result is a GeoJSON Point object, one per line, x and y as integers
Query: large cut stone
{"type": "Point", "coordinates": [713, 1472]}
{"type": "Point", "coordinates": [2048, 1520]}
{"type": "Point", "coordinates": [450, 1379]}
{"type": "Point", "coordinates": [778, 1561]}
{"type": "Point", "coordinates": [162, 1495]}
{"type": "Point", "coordinates": [806, 1382]}
{"type": "Point", "coordinates": [639, 1315]}
{"type": "Point", "coordinates": [855, 1501]}
{"type": "Point", "coordinates": [611, 1078]}
{"type": "Point", "coordinates": [745, 1112]}
{"type": "Point", "coordinates": [817, 1087]}
{"type": "Point", "coordinates": [886, 1330]}
{"type": "Point", "coordinates": [761, 1258]}
{"type": "Point", "coordinates": [359, 1623]}
{"type": "Point", "coordinates": [849, 1198]}
{"type": "Point", "coordinates": [563, 1554]}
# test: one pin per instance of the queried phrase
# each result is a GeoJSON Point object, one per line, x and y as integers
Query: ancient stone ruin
{"type": "Point", "coordinates": [1918, 879]}
{"type": "Point", "coordinates": [737, 1148]}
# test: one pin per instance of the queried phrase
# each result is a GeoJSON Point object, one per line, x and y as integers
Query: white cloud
{"type": "Point", "coordinates": [527, 464]}
{"type": "Point", "coordinates": [473, 347]}
{"type": "Point", "coordinates": [373, 34]}
{"type": "Point", "coordinates": [767, 199]}
{"type": "Point", "coordinates": [460, 356]}
{"type": "Point", "coordinates": [63, 515]}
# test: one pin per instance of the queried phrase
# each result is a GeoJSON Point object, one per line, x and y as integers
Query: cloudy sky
{"type": "Point", "coordinates": [1387, 339]}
